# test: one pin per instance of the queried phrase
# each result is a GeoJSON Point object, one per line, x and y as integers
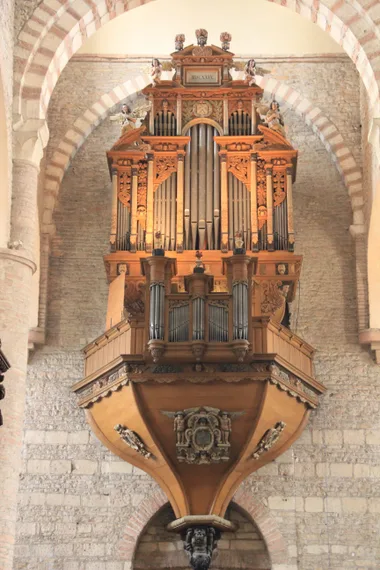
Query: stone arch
{"type": "Point", "coordinates": [256, 511]}
{"type": "Point", "coordinates": [4, 167]}
{"type": "Point", "coordinates": [50, 37]}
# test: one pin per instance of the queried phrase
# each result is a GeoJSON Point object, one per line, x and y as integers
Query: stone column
{"type": "Point", "coordinates": [16, 269]}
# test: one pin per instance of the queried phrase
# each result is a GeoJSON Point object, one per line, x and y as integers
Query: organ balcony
{"type": "Point", "coordinates": [198, 379]}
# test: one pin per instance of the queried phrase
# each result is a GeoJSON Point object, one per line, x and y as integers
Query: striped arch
{"type": "Point", "coordinates": [257, 511]}
{"type": "Point", "coordinates": [58, 28]}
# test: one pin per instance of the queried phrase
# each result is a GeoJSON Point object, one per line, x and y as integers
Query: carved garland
{"type": "Point", "coordinates": [124, 187]}
{"type": "Point", "coordinates": [164, 166]}
{"type": "Point", "coordinates": [261, 193]}
{"type": "Point", "coordinates": [239, 165]}
{"type": "Point", "coordinates": [279, 191]}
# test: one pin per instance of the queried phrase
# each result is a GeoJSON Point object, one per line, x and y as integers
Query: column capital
{"type": "Point", "coordinates": [29, 140]}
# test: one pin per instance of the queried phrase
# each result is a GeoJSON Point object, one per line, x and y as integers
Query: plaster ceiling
{"type": "Point", "coordinates": [258, 27]}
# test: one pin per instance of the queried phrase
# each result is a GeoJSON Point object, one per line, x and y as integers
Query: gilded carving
{"type": "Point", "coordinates": [279, 192]}
{"type": "Point", "coordinates": [202, 109]}
{"type": "Point", "coordinates": [133, 440]}
{"type": "Point", "coordinates": [124, 187]}
{"type": "Point", "coordinates": [202, 434]}
{"type": "Point", "coordinates": [269, 439]}
{"type": "Point", "coordinates": [272, 297]}
{"type": "Point", "coordinates": [164, 167]}
{"type": "Point", "coordinates": [240, 167]}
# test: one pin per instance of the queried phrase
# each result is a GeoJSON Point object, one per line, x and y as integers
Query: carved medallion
{"type": "Point", "coordinates": [202, 109]}
{"type": "Point", "coordinates": [203, 434]}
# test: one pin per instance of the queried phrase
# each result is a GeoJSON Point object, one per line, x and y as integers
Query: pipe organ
{"type": "Point", "coordinates": [198, 369]}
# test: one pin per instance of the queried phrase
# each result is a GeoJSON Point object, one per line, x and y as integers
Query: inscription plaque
{"type": "Point", "coordinates": [202, 76]}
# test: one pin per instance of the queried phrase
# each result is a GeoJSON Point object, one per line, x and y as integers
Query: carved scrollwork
{"type": "Point", "coordinates": [279, 192]}
{"type": "Point", "coordinates": [240, 167]}
{"type": "Point", "coordinates": [261, 183]}
{"type": "Point", "coordinates": [134, 297]}
{"type": "Point", "coordinates": [141, 191]}
{"type": "Point", "coordinates": [202, 434]}
{"type": "Point", "coordinates": [272, 297]}
{"type": "Point", "coordinates": [124, 187]}
{"type": "Point", "coordinates": [164, 167]}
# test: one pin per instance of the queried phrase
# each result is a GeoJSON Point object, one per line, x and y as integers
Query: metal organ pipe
{"type": "Point", "coordinates": [202, 189]}
{"type": "Point", "coordinates": [240, 310]}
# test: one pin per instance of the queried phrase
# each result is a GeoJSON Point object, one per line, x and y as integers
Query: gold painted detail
{"type": "Point", "coordinates": [202, 434]}
{"type": "Point", "coordinates": [133, 440]}
{"type": "Point", "coordinates": [269, 439]}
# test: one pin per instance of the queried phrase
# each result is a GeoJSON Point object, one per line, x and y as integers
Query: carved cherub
{"type": "Point", "coordinates": [273, 118]}
{"type": "Point", "coordinates": [156, 71]}
{"type": "Point", "coordinates": [250, 72]}
{"type": "Point", "coordinates": [128, 122]}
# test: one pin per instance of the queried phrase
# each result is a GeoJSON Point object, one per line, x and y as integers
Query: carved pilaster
{"type": "Point", "coordinates": [269, 172]}
{"type": "Point", "coordinates": [135, 174]}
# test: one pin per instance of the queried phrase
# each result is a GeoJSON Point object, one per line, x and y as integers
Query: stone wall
{"type": "Point", "coordinates": [324, 492]}
{"type": "Point", "coordinates": [6, 85]}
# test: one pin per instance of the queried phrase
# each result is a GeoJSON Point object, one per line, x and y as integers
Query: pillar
{"type": "Point", "coordinates": [16, 269]}
{"type": "Point", "coordinates": [114, 211]}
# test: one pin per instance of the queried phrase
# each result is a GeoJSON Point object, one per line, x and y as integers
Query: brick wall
{"type": "Point", "coordinates": [76, 498]}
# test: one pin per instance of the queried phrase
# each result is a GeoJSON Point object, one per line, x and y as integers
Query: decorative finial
{"type": "Point", "coordinates": [199, 267]}
{"type": "Point", "coordinates": [225, 38]}
{"type": "Point", "coordinates": [179, 41]}
{"type": "Point", "coordinates": [202, 36]}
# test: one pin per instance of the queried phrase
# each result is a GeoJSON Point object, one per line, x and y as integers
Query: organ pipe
{"type": "Point", "coordinates": [187, 199]}
{"type": "Point", "coordinates": [209, 185]}
{"type": "Point", "coordinates": [270, 243]}
{"type": "Point", "coordinates": [289, 191]}
{"type": "Point", "coordinates": [240, 310]}
{"type": "Point", "coordinates": [135, 173]}
{"type": "Point", "coordinates": [180, 212]}
{"type": "Point", "coordinates": [149, 205]}
{"type": "Point", "coordinates": [114, 208]}
{"type": "Point", "coordinates": [216, 195]}
{"type": "Point", "coordinates": [194, 186]}
{"type": "Point", "coordinates": [157, 309]}
{"type": "Point", "coordinates": [224, 204]}
{"type": "Point", "coordinates": [254, 221]}
{"type": "Point", "coordinates": [198, 318]}
{"type": "Point", "coordinates": [202, 186]}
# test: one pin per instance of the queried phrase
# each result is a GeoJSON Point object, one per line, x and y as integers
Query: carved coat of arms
{"type": "Point", "coordinates": [202, 434]}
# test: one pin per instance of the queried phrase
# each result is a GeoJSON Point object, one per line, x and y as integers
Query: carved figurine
{"type": "Point", "coordinates": [128, 122]}
{"type": "Point", "coordinates": [156, 71]}
{"type": "Point", "coordinates": [270, 437]}
{"type": "Point", "coordinates": [202, 36]}
{"type": "Point", "coordinates": [250, 72]}
{"type": "Point", "coordinates": [200, 542]}
{"type": "Point", "coordinates": [225, 38]}
{"type": "Point", "coordinates": [225, 426]}
{"type": "Point", "coordinates": [132, 440]}
{"type": "Point", "coordinates": [274, 119]}
{"type": "Point", "coordinates": [179, 427]}
{"type": "Point", "coordinates": [179, 41]}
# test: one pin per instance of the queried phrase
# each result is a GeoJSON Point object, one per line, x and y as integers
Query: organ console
{"type": "Point", "coordinates": [198, 368]}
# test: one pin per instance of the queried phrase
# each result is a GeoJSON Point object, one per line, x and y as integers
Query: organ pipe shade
{"type": "Point", "coordinates": [202, 189]}
{"type": "Point", "coordinates": [164, 212]}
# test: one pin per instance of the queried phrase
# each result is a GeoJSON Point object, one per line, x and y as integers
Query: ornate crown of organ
{"type": "Point", "coordinates": [198, 379]}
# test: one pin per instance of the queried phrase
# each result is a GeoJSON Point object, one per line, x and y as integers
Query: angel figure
{"type": "Point", "coordinates": [156, 71]}
{"type": "Point", "coordinates": [250, 72]}
{"type": "Point", "coordinates": [270, 437]}
{"type": "Point", "coordinates": [128, 122]}
{"type": "Point", "coordinates": [274, 119]}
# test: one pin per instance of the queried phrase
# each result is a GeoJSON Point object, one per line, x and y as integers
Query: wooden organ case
{"type": "Point", "coordinates": [198, 379]}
